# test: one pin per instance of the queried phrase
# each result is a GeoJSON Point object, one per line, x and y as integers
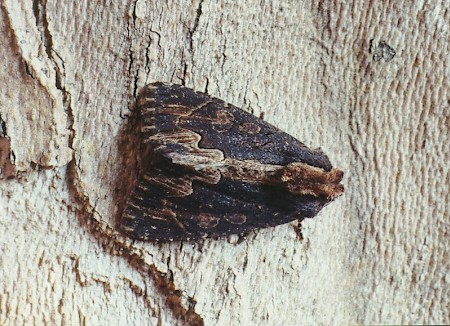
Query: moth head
{"type": "Point", "coordinates": [303, 179]}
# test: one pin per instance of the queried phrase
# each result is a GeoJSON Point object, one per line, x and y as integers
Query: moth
{"type": "Point", "coordinates": [212, 169]}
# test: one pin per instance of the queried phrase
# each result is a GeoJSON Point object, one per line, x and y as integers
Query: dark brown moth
{"type": "Point", "coordinates": [213, 170]}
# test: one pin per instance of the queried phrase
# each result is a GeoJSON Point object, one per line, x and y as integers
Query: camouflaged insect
{"type": "Point", "coordinates": [213, 170]}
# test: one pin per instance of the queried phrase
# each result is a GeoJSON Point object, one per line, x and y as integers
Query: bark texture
{"type": "Point", "coordinates": [366, 81]}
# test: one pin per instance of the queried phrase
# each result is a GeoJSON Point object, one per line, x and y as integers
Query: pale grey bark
{"type": "Point", "coordinates": [69, 76]}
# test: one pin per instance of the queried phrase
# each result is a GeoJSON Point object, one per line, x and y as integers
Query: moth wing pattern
{"type": "Point", "coordinates": [215, 170]}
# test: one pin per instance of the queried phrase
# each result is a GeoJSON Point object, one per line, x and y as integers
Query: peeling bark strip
{"type": "Point", "coordinates": [7, 169]}
{"type": "Point", "coordinates": [216, 170]}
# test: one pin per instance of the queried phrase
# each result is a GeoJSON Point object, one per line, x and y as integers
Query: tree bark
{"type": "Point", "coordinates": [368, 82]}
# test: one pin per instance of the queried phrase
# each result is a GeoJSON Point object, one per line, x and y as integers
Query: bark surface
{"type": "Point", "coordinates": [368, 82]}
